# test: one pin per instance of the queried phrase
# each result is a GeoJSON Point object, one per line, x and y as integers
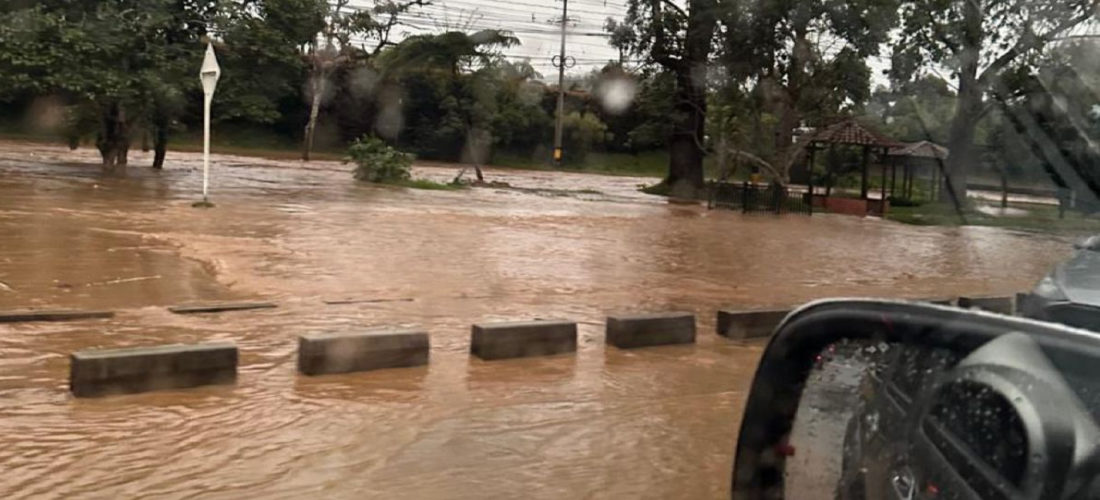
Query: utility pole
{"type": "Point", "coordinates": [561, 85]}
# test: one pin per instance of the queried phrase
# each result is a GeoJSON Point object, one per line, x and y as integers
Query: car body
{"type": "Point", "coordinates": [1070, 294]}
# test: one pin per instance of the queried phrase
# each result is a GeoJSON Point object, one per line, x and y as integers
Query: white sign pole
{"type": "Point", "coordinates": [206, 146]}
{"type": "Point", "coordinates": [209, 76]}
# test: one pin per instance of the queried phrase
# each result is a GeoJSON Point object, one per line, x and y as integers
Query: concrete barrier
{"type": "Point", "coordinates": [645, 330]}
{"type": "Point", "coordinates": [942, 301]}
{"type": "Point", "coordinates": [356, 352]}
{"type": "Point", "coordinates": [52, 315]}
{"type": "Point", "coordinates": [520, 339]}
{"type": "Point", "coordinates": [1027, 305]}
{"type": "Point", "coordinates": [141, 369]}
{"type": "Point", "coordinates": [220, 307]}
{"type": "Point", "coordinates": [1001, 305]}
{"type": "Point", "coordinates": [749, 324]}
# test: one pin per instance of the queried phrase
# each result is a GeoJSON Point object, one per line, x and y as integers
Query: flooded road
{"type": "Point", "coordinates": [649, 423]}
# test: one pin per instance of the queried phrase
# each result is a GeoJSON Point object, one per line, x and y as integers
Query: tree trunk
{"type": "Point", "coordinates": [784, 135]}
{"type": "Point", "coordinates": [318, 86]}
{"type": "Point", "coordinates": [113, 140]}
{"type": "Point", "coordinates": [968, 109]}
{"type": "Point", "coordinates": [685, 163]}
{"type": "Point", "coordinates": [723, 156]}
{"type": "Point", "coordinates": [961, 143]}
{"type": "Point", "coordinates": [789, 99]}
{"type": "Point", "coordinates": [160, 146]}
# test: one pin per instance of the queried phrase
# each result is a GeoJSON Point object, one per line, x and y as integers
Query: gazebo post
{"type": "Point", "coordinates": [829, 174]}
{"type": "Point", "coordinates": [893, 175]}
{"type": "Point", "coordinates": [935, 182]}
{"type": "Point", "coordinates": [908, 180]}
{"type": "Point", "coordinates": [863, 178]}
{"type": "Point", "coordinates": [810, 179]}
{"type": "Point", "coordinates": [882, 188]}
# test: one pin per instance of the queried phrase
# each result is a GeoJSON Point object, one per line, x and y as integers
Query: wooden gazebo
{"type": "Point", "coordinates": [918, 159]}
{"type": "Point", "coordinates": [849, 132]}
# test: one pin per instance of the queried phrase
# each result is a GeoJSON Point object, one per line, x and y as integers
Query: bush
{"type": "Point", "coordinates": [376, 161]}
{"type": "Point", "coordinates": [899, 201]}
{"type": "Point", "coordinates": [580, 134]}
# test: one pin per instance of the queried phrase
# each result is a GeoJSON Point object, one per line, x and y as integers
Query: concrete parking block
{"type": "Point", "coordinates": [361, 351]}
{"type": "Point", "coordinates": [490, 341]}
{"type": "Point", "coordinates": [650, 329]}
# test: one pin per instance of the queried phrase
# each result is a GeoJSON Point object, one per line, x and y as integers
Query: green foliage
{"type": "Point", "coordinates": [262, 65]}
{"type": "Point", "coordinates": [993, 36]}
{"type": "Point", "coordinates": [453, 51]}
{"type": "Point", "coordinates": [461, 101]}
{"type": "Point", "coordinates": [645, 164]}
{"type": "Point", "coordinates": [918, 110]}
{"type": "Point", "coordinates": [990, 47]}
{"type": "Point", "coordinates": [1041, 218]}
{"type": "Point", "coordinates": [376, 161]}
{"type": "Point", "coordinates": [131, 64]}
{"type": "Point", "coordinates": [579, 134]}
{"type": "Point", "coordinates": [428, 185]}
{"type": "Point", "coordinates": [898, 201]}
{"type": "Point", "coordinates": [649, 126]}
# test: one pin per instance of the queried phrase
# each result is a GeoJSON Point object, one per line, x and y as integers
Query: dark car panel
{"type": "Point", "coordinates": [1079, 277]}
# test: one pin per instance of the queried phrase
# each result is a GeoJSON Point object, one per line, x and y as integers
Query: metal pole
{"type": "Point", "coordinates": [205, 145]}
{"type": "Point", "coordinates": [561, 86]}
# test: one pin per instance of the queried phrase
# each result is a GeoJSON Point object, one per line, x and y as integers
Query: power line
{"type": "Point", "coordinates": [511, 5]}
{"type": "Point", "coordinates": [424, 23]}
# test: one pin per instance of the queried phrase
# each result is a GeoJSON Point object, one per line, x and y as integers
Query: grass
{"type": "Point", "coordinates": [1038, 218]}
{"type": "Point", "coordinates": [425, 184]}
{"type": "Point", "coordinates": [646, 164]}
{"type": "Point", "coordinates": [257, 142]}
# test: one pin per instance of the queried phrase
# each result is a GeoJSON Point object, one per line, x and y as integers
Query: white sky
{"type": "Point", "coordinates": [534, 22]}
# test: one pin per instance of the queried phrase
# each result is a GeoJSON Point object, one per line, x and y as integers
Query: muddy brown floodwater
{"type": "Point", "coordinates": [649, 423]}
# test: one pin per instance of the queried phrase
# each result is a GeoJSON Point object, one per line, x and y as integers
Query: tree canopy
{"type": "Point", "coordinates": [734, 81]}
{"type": "Point", "coordinates": [986, 45]}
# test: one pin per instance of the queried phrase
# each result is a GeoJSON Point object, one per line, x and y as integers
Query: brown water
{"type": "Point", "coordinates": [650, 423]}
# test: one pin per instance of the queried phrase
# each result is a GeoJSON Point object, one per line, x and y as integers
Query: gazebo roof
{"type": "Point", "coordinates": [922, 149]}
{"type": "Point", "coordinates": [850, 132]}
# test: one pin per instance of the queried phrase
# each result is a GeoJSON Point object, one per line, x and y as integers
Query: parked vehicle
{"type": "Point", "coordinates": [1070, 294]}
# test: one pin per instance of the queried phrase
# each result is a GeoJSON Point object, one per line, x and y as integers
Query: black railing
{"type": "Point", "coordinates": [749, 197]}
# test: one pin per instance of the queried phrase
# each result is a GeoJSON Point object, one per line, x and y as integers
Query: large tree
{"type": "Point", "coordinates": [109, 60]}
{"type": "Point", "coordinates": [680, 41]}
{"type": "Point", "coordinates": [260, 47]}
{"type": "Point", "coordinates": [335, 49]}
{"type": "Point", "coordinates": [980, 42]}
{"type": "Point", "coordinates": [917, 110]}
{"type": "Point", "coordinates": [127, 67]}
{"type": "Point", "coordinates": [451, 82]}
{"type": "Point", "coordinates": [1052, 124]}
{"type": "Point", "coordinates": [804, 59]}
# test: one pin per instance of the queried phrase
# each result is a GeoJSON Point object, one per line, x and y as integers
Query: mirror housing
{"type": "Point", "coordinates": [1086, 242]}
{"type": "Point", "coordinates": [791, 353]}
{"type": "Point", "coordinates": [1010, 383]}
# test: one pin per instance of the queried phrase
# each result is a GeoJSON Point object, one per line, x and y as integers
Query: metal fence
{"type": "Point", "coordinates": [748, 197]}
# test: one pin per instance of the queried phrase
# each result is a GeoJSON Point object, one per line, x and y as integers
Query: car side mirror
{"type": "Point", "coordinates": [1086, 243]}
{"type": "Point", "coordinates": [879, 399]}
